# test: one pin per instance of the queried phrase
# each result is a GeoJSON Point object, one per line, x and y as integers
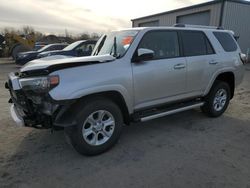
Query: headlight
{"type": "Point", "coordinates": [43, 55]}
{"type": "Point", "coordinates": [39, 84]}
{"type": "Point", "coordinates": [23, 55]}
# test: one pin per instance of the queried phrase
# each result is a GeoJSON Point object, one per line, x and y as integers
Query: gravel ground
{"type": "Point", "coordinates": [182, 150]}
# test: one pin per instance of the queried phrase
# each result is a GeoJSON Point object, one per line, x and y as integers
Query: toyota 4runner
{"type": "Point", "coordinates": [133, 75]}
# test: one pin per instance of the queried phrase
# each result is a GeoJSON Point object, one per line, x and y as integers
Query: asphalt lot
{"type": "Point", "coordinates": [182, 150]}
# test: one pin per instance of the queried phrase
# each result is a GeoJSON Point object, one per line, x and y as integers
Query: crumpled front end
{"type": "Point", "coordinates": [29, 108]}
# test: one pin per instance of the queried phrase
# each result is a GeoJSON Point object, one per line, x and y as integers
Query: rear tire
{"type": "Point", "coordinates": [99, 126]}
{"type": "Point", "coordinates": [217, 100]}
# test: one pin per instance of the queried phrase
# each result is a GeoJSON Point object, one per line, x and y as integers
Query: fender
{"type": "Point", "coordinates": [106, 88]}
{"type": "Point", "coordinates": [215, 75]}
{"type": "Point", "coordinates": [66, 114]}
{"type": "Point", "coordinates": [98, 89]}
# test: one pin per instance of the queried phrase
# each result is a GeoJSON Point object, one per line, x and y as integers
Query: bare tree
{"type": "Point", "coordinates": [95, 36]}
{"type": "Point", "coordinates": [26, 30]}
{"type": "Point", "coordinates": [84, 36]}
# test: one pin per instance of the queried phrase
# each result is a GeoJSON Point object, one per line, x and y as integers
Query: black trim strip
{"type": "Point", "coordinates": [53, 68]}
{"type": "Point", "coordinates": [221, 13]}
{"type": "Point", "coordinates": [56, 67]}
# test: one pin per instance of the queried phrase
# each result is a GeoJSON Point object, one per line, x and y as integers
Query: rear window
{"type": "Point", "coordinates": [226, 41]}
{"type": "Point", "coordinates": [195, 43]}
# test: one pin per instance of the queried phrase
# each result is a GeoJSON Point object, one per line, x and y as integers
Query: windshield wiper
{"type": "Point", "coordinates": [115, 48]}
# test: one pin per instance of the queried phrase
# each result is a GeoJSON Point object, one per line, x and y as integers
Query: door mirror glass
{"type": "Point", "coordinates": [144, 54]}
{"type": "Point", "coordinates": [243, 58]}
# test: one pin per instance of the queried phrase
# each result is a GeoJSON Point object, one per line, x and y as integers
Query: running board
{"type": "Point", "coordinates": [166, 113]}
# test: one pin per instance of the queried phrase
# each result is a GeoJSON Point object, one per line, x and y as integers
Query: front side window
{"type": "Point", "coordinates": [164, 44]}
{"type": "Point", "coordinates": [86, 47]}
{"type": "Point", "coordinates": [55, 47]}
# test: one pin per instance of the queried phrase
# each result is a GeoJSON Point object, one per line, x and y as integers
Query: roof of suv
{"type": "Point", "coordinates": [180, 28]}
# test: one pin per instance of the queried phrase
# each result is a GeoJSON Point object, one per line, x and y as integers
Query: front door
{"type": "Point", "coordinates": [162, 77]}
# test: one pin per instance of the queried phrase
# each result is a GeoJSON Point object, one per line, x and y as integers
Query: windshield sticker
{"type": "Point", "coordinates": [127, 40]}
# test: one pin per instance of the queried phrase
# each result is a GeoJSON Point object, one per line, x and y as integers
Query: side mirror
{"type": "Point", "coordinates": [243, 58]}
{"type": "Point", "coordinates": [144, 54]}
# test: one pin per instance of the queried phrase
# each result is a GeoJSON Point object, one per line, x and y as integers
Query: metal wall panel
{"type": "Point", "coordinates": [149, 24]}
{"type": "Point", "coordinates": [199, 18]}
{"type": "Point", "coordinates": [169, 19]}
{"type": "Point", "coordinates": [236, 17]}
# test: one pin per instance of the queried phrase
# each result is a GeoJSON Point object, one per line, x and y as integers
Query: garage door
{"type": "Point", "coordinates": [201, 18]}
{"type": "Point", "coordinates": [149, 24]}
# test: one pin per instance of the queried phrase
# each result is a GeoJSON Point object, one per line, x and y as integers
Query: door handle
{"type": "Point", "coordinates": [179, 66]}
{"type": "Point", "coordinates": [213, 62]}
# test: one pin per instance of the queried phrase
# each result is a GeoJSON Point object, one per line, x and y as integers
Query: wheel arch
{"type": "Point", "coordinates": [228, 77]}
{"type": "Point", "coordinates": [66, 115]}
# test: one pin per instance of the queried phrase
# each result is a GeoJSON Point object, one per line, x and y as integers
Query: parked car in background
{"type": "Point", "coordinates": [1, 51]}
{"type": "Point", "coordinates": [39, 45]}
{"type": "Point", "coordinates": [76, 49]}
{"type": "Point", "coordinates": [25, 57]}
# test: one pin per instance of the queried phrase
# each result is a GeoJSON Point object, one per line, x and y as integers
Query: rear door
{"type": "Point", "coordinates": [201, 60]}
{"type": "Point", "coordinates": [165, 75]}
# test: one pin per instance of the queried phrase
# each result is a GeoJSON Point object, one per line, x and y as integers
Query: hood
{"type": "Point", "coordinates": [55, 57]}
{"type": "Point", "coordinates": [57, 64]}
{"type": "Point", "coordinates": [29, 52]}
{"type": "Point", "coordinates": [50, 52]}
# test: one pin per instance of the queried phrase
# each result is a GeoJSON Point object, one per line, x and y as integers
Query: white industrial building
{"type": "Point", "coordinates": [229, 14]}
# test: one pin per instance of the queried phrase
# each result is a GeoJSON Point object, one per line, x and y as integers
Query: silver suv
{"type": "Point", "coordinates": [133, 75]}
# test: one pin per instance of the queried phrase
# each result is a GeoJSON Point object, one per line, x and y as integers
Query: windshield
{"type": "Point", "coordinates": [44, 48]}
{"type": "Point", "coordinates": [115, 43]}
{"type": "Point", "coordinates": [73, 45]}
{"type": "Point", "coordinates": [37, 47]}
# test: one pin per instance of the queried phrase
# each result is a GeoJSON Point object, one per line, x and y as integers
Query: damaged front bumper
{"type": "Point", "coordinates": [16, 116]}
{"type": "Point", "coordinates": [36, 110]}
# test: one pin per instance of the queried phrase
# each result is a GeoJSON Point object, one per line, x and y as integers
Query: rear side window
{"type": "Point", "coordinates": [226, 41]}
{"type": "Point", "coordinates": [164, 44]}
{"type": "Point", "coordinates": [195, 43]}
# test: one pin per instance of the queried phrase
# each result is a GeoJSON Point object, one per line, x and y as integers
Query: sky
{"type": "Point", "coordinates": [79, 16]}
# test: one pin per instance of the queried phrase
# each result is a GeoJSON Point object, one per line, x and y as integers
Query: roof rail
{"type": "Point", "coordinates": [197, 26]}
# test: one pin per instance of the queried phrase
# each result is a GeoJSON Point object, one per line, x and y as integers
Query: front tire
{"type": "Point", "coordinates": [216, 102]}
{"type": "Point", "coordinates": [99, 126]}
